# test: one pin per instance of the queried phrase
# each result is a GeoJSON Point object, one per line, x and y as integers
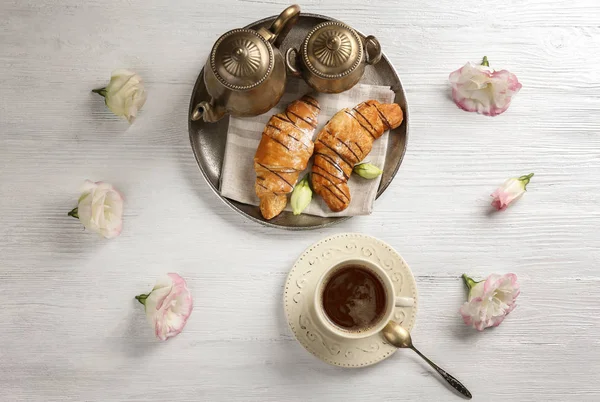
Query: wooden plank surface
{"type": "Point", "coordinates": [71, 330]}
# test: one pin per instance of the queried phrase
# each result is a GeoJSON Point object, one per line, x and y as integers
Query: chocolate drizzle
{"type": "Point", "coordinates": [332, 162]}
{"type": "Point", "coordinates": [305, 100]}
{"type": "Point", "coordinates": [359, 122]}
{"type": "Point", "coordinates": [276, 174]}
{"type": "Point", "coordinates": [331, 191]}
{"type": "Point", "coordinates": [349, 149]}
{"type": "Point", "coordinates": [279, 142]}
{"type": "Point", "coordinates": [383, 118]}
{"type": "Point", "coordinates": [309, 122]}
{"type": "Point", "coordinates": [288, 134]}
{"type": "Point", "coordinates": [337, 153]}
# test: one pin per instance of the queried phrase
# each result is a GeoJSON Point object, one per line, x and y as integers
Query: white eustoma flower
{"type": "Point", "coordinates": [100, 209]}
{"type": "Point", "coordinates": [125, 94]}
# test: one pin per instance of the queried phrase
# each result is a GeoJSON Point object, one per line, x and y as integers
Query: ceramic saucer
{"type": "Point", "coordinates": [300, 288]}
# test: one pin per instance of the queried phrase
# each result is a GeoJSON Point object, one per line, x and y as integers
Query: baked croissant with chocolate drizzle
{"type": "Point", "coordinates": [284, 150]}
{"type": "Point", "coordinates": [345, 141]}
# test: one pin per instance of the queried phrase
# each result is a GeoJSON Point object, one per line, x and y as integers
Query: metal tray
{"type": "Point", "coordinates": [208, 139]}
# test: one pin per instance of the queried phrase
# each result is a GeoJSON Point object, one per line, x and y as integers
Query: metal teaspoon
{"type": "Point", "coordinates": [400, 338]}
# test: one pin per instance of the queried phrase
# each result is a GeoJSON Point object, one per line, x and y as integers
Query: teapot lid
{"type": "Point", "coordinates": [241, 59]}
{"type": "Point", "coordinates": [332, 50]}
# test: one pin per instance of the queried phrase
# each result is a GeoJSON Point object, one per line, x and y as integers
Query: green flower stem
{"type": "Point", "coordinates": [100, 91]}
{"type": "Point", "coordinates": [469, 282]}
{"type": "Point", "coordinates": [485, 61]}
{"type": "Point", "coordinates": [526, 179]}
{"type": "Point", "coordinates": [142, 298]}
{"type": "Point", "coordinates": [74, 213]}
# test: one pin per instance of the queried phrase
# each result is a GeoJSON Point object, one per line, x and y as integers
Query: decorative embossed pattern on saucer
{"type": "Point", "coordinates": [300, 287]}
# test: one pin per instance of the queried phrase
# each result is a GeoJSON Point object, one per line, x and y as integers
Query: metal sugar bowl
{"type": "Point", "coordinates": [245, 73]}
{"type": "Point", "coordinates": [333, 57]}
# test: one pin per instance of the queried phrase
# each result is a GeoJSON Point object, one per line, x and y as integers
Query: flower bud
{"type": "Point", "coordinates": [510, 191]}
{"type": "Point", "coordinates": [367, 170]}
{"type": "Point", "coordinates": [301, 196]}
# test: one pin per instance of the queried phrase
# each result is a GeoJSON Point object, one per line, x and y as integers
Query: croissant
{"type": "Point", "coordinates": [345, 141]}
{"type": "Point", "coordinates": [284, 150]}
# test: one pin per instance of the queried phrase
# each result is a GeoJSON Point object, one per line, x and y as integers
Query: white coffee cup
{"type": "Point", "coordinates": [392, 301]}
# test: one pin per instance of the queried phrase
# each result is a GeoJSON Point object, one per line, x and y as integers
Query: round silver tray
{"type": "Point", "coordinates": [208, 139]}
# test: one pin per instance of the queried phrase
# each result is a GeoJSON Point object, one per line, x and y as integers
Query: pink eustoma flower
{"type": "Point", "coordinates": [489, 301]}
{"type": "Point", "coordinates": [168, 306]}
{"type": "Point", "coordinates": [478, 88]}
{"type": "Point", "coordinates": [510, 191]}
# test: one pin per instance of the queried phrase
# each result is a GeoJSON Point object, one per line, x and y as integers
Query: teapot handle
{"type": "Point", "coordinates": [282, 25]}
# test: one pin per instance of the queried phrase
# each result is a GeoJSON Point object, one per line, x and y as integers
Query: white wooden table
{"type": "Point", "coordinates": [71, 330]}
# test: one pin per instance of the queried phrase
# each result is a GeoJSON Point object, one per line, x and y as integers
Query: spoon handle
{"type": "Point", "coordinates": [457, 385]}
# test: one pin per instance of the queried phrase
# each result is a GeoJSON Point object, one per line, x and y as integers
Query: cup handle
{"type": "Point", "coordinates": [291, 62]}
{"type": "Point", "coordinates": [404, 301]}
{"type": "Point", "coordinates": [376, 56]}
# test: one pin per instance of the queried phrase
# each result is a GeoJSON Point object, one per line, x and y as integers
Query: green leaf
{"type": "Point", "coordinates": [525, 180]}
{"type": "Point", "coordinates": [469, 281]}
{"type": "Point", "coordinates": [142, 298]}
{"type": "Point", "coordinates": [74, 213]}
{"type": "Point", "coordinates": [100, 91]}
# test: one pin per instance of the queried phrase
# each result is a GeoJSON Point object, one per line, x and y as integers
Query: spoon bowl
{"type": "Point", "coordinates": [397, 335]}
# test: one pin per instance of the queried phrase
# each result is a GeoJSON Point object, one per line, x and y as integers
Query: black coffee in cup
{"type": "Point", "coordinates": [354, 298]}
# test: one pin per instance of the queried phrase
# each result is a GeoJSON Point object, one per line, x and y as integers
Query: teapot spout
{"type": "Point", "coordinates": [208, 112]}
